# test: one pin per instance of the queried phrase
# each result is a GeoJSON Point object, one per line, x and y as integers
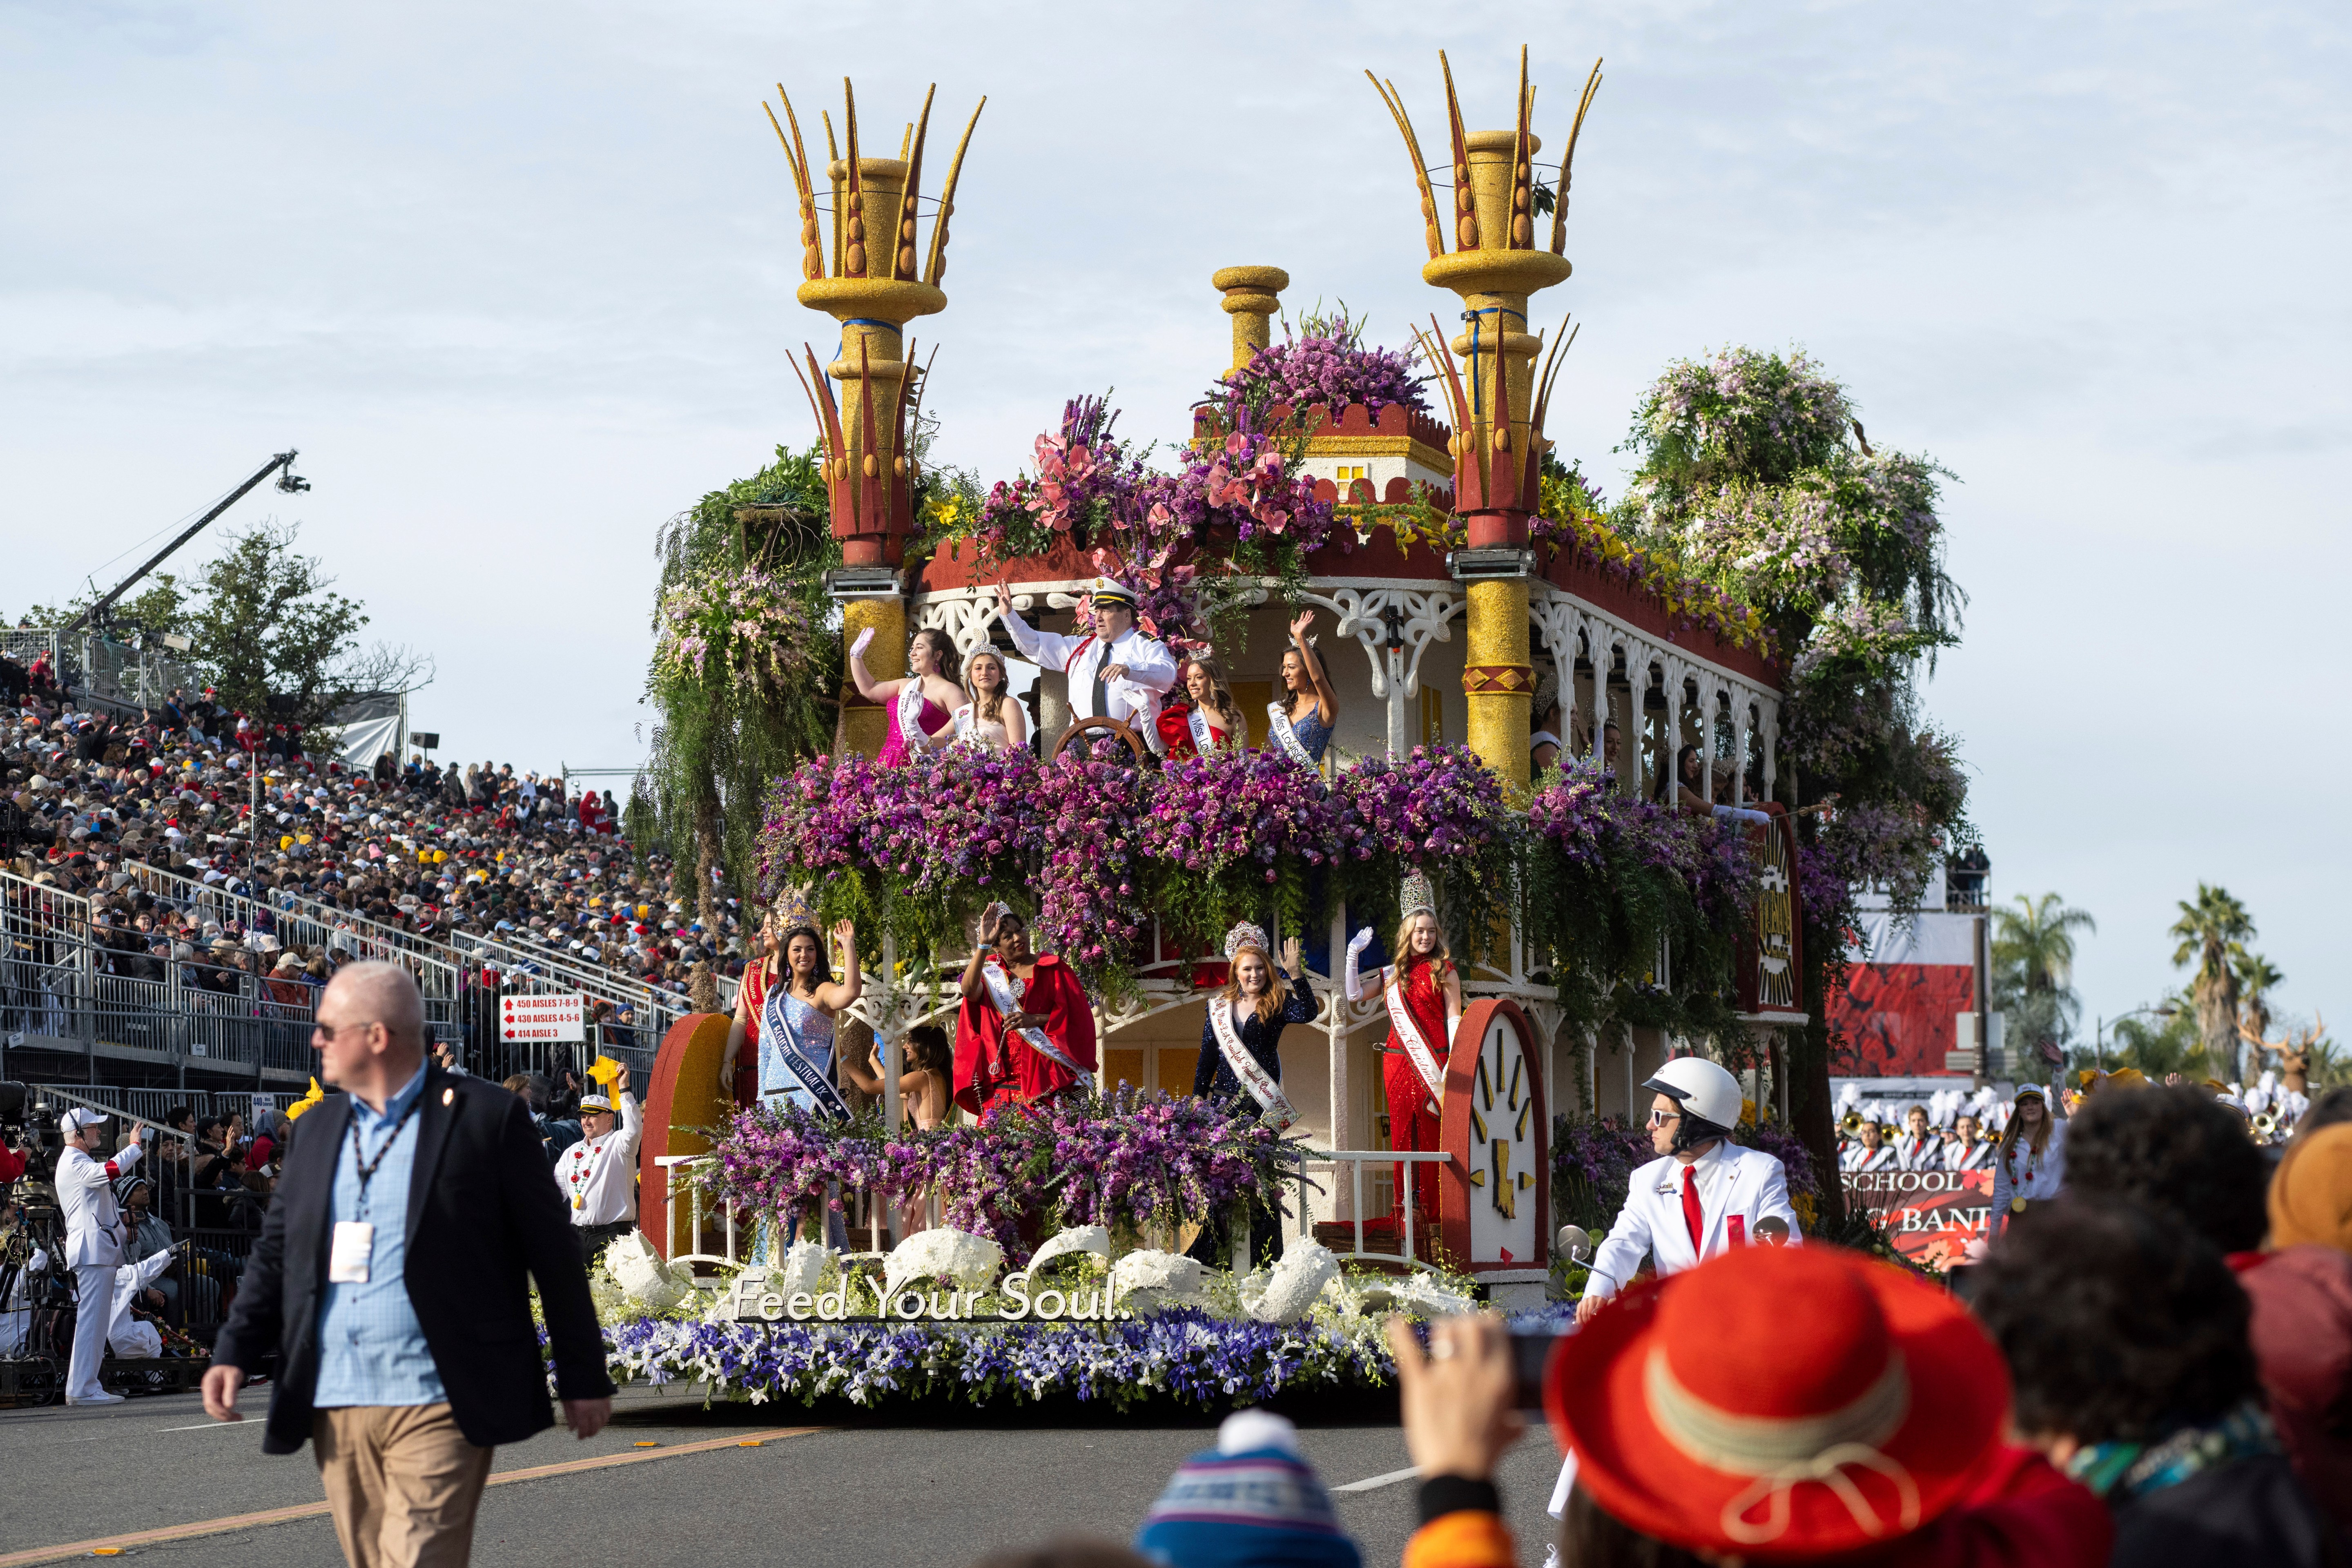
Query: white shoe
{"type": "Point", "coordinates": [98, 1398]}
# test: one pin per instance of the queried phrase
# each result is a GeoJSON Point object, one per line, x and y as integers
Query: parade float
{"type": "Point", "coordinates": [1470, 604]}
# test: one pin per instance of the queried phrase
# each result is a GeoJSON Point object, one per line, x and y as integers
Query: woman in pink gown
{"type": "Point", "coordinates": [920, 706]}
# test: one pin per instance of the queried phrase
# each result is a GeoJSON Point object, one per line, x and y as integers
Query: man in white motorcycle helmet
{"type": "Point", "coordinates": [1703, 1196]}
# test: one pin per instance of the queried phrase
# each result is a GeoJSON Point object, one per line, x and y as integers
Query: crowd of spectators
{"type": "Point", "coordinates": [2154, 1370]}
{"type": "Point", "coordinates": [442, 856]}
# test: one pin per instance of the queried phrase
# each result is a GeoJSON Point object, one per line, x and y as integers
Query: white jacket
{"type": "Point", "coordinates": [1924, 1153]}
{"type": "Point", "coordinates": [600, 1173]}
{"type": "Point", "coordinates": [86, 1195]}
{"type": "Point", "coordinates": [1732, 1181]}
{"type": "Point", "coordinates": [1133, 700]}
{"type": "Point", "coordinates": [2021, 1174]}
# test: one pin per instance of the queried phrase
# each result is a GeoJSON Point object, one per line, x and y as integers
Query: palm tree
{"type": "Point", "coordinates": [2207, 929]}
{"type": "Point", "coordinates": [2257, 978]}
{"type": "Point", "coordinates": [2166, 1043]}
{"type": "Point", "coordinates": [2033, 965]}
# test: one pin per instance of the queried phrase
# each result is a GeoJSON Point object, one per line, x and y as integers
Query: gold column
{"type": "Point", "coordinates": [864, 725]}
{"type": "Point", "coordinates": [1251, 298]}
{"type": "Point", "coordinates": [1482, 246]}
{"type": "Point", "coordinates": [863, 268]}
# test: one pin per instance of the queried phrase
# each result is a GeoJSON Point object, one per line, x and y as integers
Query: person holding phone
{"type": "Point", "coordinates": [93, 1241]}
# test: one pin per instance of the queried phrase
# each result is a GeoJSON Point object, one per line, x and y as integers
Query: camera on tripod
{"type": "Point", "coordinates": [28, 1124]}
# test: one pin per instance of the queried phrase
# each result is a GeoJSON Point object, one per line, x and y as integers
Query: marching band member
{"type": "Point", "coordinates": [1116, 672]}
{"type": "Point", "coordinates": [1873, 1152]}
{"type": "Point", "coordinates": [992, 719]}
{"type": "Point", "coordinates": [2030, 1167]}
{"type": "Point", "coordinates": [1024, 1032]}
{"type": "Point", "coordinates": [1967, 1149]}
{"type": "Point", "coordinates": [1918, 1149]}
{"type": "Point", "coordinates": [598, 1175]}
{"type": "Point", "coordinates": [1702, 1196]}
{"type": "Point", "coordinates": [1300, 724]}
{"type": "Point", "coordinates": [922, 705]}
{"type": "Point", "coordinates": [1423, 992]}
{"type": "Point", "coordinates": [1211, 721]}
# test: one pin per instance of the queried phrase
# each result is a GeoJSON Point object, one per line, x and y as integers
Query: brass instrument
{"type": "Point", "coordinates": [2265, 1125]}
{"type": "Point", "coordinates": [1849, 1123]}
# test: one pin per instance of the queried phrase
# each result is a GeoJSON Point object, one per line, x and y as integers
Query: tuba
{"type": "Point", "coordinates": [1849, 1123]}
{"type": "Point", "coordinates": [2264, 1126]}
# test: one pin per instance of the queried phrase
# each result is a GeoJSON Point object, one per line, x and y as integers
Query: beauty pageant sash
{"type": "Point", "coordinates": [1275, 1105]}
{"type": "Point", "coordinates": [1424, 1059]}
{"type": "Point", "coordinates": [1000, 992]}
{"type": "Point", "coordinates": [777, 1034]}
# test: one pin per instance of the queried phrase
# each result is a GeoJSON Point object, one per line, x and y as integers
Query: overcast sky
{"type": "Point", "coordinates": [517, 279]}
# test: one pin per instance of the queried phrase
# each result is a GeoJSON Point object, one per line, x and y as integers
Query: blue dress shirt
{"type": "Point", "coordinates": [372, 1349]}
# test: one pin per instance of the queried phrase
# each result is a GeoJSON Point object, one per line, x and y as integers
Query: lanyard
{"type": "Point", "coordinates": [367, 1167]}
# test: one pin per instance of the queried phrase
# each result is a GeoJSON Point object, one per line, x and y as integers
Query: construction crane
{"type": "Point", "coordinates": [288, 480]}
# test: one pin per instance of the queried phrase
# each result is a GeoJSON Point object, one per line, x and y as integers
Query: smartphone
{"type": "Point", "coordinates": [1531, 1354]}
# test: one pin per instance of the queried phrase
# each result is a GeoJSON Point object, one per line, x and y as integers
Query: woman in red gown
{"type": "Point", "coordinates": [1212, 720]}
{"type": "Point", "coordinates": [997, 1060]}
{"type": "Point", "coordinates": [1432, 998]}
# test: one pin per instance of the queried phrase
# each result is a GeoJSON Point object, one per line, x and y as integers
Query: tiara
{"type": "Point", "coordinates": [793, 908]}
{"type": "Point", "coordinates": [1418, 897]}
{"type": "Point", "coordinates": [1245, 935]}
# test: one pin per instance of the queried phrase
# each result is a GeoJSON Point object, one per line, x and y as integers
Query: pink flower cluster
{"type": "Point", "coordinates": [1091, 905]}
{"type": "Point", "coordinates": [1208, 812]}
{"type": "Point", "coordinates": [1129, 1160]}
{"type": "Point", "coordinates": [1436, 803]}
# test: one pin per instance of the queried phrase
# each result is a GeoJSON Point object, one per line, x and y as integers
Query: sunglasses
{"type": "Point", "coordinates": [1660, 1118]}
{"type": "Point", "coordinates": [328, 1031]}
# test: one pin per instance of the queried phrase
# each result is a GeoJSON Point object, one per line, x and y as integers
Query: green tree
{"type": "Point", "coordinates": [270, 626]}
{"type": "Point", "coordinates": [162, 607]}
{"type": "Point", "coordinates": [2033, 967]}
{"type": "Point", "coordinates": [2257, 977]}
{"type": "Point", "coordinates": [735, 707]}
{"type": "Point", "coordinates": [2207, 928]}
{"type": "Point", "coordinates": [1756, 479]}
{"type": "Point", "coordinates": [2167, 1043]}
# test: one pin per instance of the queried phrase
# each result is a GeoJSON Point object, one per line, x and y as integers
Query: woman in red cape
{"type": "Point", "coordinates": [1433, 997]}
{"type": "Point", "coordinates": [994, 1067]}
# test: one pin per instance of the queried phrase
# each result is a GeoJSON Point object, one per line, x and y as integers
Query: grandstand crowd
{"type": "Point", "coordinates": [439, 855]}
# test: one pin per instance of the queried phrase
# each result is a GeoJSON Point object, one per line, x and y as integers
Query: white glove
{"type": "Point", "coordinates": [1355, 987]}
{"type": "Point", "coordinates": [865, 640]}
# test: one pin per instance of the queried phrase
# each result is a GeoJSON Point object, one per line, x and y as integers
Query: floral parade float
{"type": "Point", "coordinates": [1477, 603]}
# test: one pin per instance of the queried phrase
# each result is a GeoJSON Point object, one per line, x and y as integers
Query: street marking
{"type": "Point", "coordinates": [203, 1426]}
{"type": "Point", "coordinates": [107, 1545]}
{"type": "Point", "coordinates": [1370, 1483]}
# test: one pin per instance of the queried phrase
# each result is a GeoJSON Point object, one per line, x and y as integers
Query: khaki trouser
{"type": "Point", "coordinates": [404, 1484]}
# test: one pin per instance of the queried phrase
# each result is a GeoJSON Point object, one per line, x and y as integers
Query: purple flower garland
{"type": "Point", "coordinates": [1129, 1160]}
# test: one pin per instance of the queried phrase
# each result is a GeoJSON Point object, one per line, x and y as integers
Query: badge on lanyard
{"type": "Point", "coordinates": [347, 1259]}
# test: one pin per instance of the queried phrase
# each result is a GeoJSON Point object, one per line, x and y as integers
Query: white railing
{"type": "Point", "coordinates": [1356, 1160]}
{"type": "Point", "coordinates": [694, 1257]}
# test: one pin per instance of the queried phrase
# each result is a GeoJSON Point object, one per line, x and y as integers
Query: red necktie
{"type": "Point", "coordinates": [1691, 1215]}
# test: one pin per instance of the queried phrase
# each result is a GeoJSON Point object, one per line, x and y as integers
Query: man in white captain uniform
{"type": "Point", "coordinates": [598, 1175]}
{"type": "Point", "coordinates": [93, 1242]}
{"type": "Point", "coordinates": [1703, 1196]}
{"type": "Point", "coordinates": [1116, 672]}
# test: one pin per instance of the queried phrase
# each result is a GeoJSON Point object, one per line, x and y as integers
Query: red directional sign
{"type": "Point", "coordinates": [555, 1015]}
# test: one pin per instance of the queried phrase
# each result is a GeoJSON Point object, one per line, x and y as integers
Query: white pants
{"type": "Point", "coordinates": [93, 1307]}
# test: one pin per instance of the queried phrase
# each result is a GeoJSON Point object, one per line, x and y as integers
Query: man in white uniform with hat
{"type": "Point", "coordinates": [93, 1242]}
{"type": "Point", "coordinates": [598, 1175]}
{"type": "Point", "coordinates": [1116, 672]}
{"type": "Point", "coordinates": [1703, 1196]}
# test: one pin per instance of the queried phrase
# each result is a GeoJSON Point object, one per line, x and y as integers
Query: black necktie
{"type": "Point", "coordinates": [1102, 686]}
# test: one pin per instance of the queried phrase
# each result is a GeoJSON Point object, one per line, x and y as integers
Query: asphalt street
{"type": "Point", "coordinates": [941, 1491]}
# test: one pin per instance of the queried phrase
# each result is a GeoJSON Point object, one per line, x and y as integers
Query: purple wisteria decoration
{"type": "Point", "coordinates": [1436, 804]}
{"type": "Point", "coordinates": [1330, 365]}
{"type": "Point", "coordinates": [1129, 1160]}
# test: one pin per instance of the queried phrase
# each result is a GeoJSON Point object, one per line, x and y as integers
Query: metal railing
{"type": "Point", "coordinates": [97, 668]}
